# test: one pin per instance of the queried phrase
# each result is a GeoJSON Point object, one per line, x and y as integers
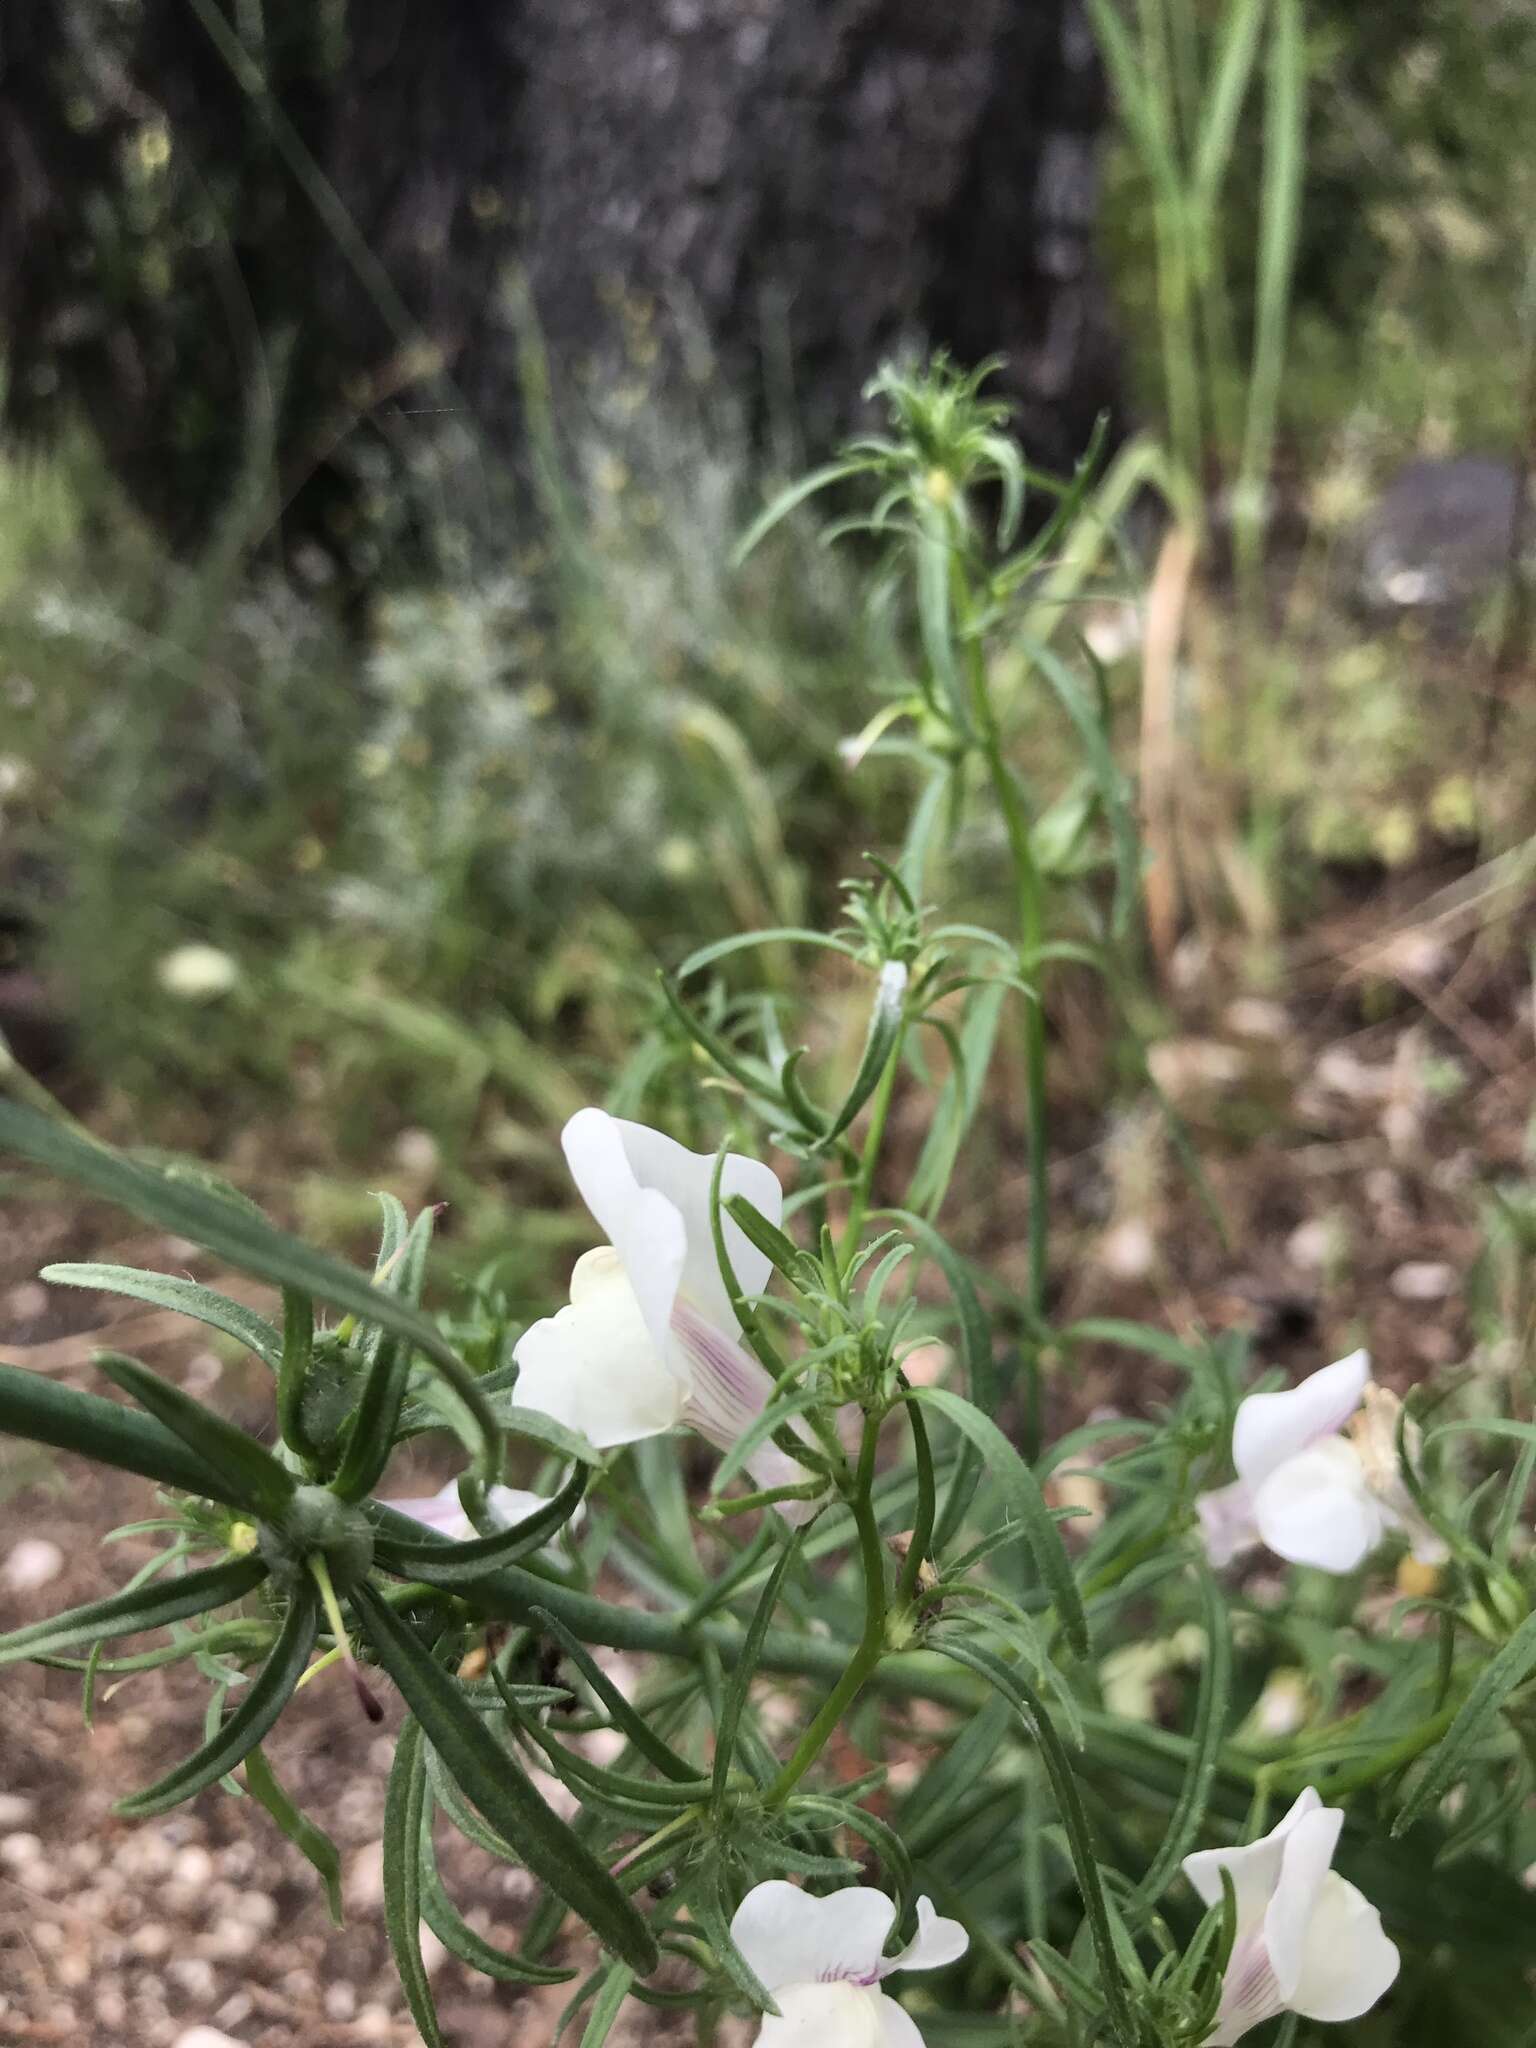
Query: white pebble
{"type": "Point", "coordinates": [206, 2037]}
{"type": "Point", "coordinates": [33, 1563]}
{"type": "Point", "coordinates": [1423, 1280]}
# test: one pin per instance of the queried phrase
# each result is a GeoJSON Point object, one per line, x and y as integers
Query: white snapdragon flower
{"type": "Point", "coordinates": [824, 1961]}
{"type": "Point", "coordinates": [1307, 1941]}
{"type": "Point", "coordinates": [443, 1511]}
{"type": "Point", "coordinates": [1317, 1475]}
{"type": "Point", "coordinates": [650, 1339]}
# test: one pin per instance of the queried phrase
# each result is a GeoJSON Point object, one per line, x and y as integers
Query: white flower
{"type": "Point", "coordinates": [650, 1339]}
{"type": "Point", "coordinates": [823, 1960]}
{"type": "Point", "coordinates": [1307, 1941]}
{"type": "Point", "coordinates": [1305, 1488]}
{"type": "Point", "coordinates": [196, 973]}
{"type": "Point", "coordinates": [506, 1506]}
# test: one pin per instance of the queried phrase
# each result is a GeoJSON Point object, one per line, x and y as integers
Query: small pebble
{"type": "Point", "coordinates": [206, 2037]}
{"type": "Point", "coordinates": [1423, 1280]}
{"type": "Point", "coordinates": [33, 1563]}
{"type": "Point", "coordinates": [18, 1849]}
{"type": "Point", "coordinates": [15, 1811]}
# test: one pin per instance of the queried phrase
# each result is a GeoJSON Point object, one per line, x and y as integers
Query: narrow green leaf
{"type": "Point", "coordinates": [128, 1614]}
{"type": "Point", "coordinates": [265, 1487]}
{"type": "Point", "coordinates": [1029, 1707]}
{"type": "Point", "coordinates": [376, 1419]}
{"type": "Point", "coordinates": [184, 1297]}
{"type": "Point", "coordinates": [778, 935]}
{"type": "Point", "coordinates": [460, 1564]}
{"type": "Point", "coordinates": [775, 1246]}
{"type": "Point", "coordinates": [624, 1717]}
{"type": "Point", "coordinates": [43, 1412]}
{"type": "Point", "coordinates": [975, 1356]}
{"type": "Point", "coordinates": [1021, 1490]}
{"type": "Point", "coordinates": [887, 1019]}
{"type": "Point", "coordinates": [792, 495]}
{"type": "Point", "coordinates": [745, 1669]}
{"type": "Point", "coordinates": [232, 1228]}
{"type": "Point", "coordinates": [456, 1934]}
{"type": "Point", "coordinates": [605, 2010]}
{"type": "Point", "coordinates": [293, 1374]}
{"type": "Point", "coordinates": [311, 1841]}
{"type": "Point", "coordinates": [1497, 1680]}
{"type": "Point", "coordinates": [1206, 1737]}
{"type": "Point", "coordinates": [496, 1784]}
{"type": "Point", "coordinates": [260, 1704]}
{"type": "Point", "coordinates": [405, 1808]}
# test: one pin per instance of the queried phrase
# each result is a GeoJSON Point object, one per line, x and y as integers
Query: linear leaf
{"type": "Point", "coordinates": [456, 1934]}
{"type": "Point", "coordinates": [43, 1412]}
{"type": "Point", "coordinates": [460, 1564]}
{"type": "Point", "coordinates": [496, 1784]}
{"type": "Point", "coordinates": [260, 1704]}
{"type": "Point", "coordinates": [1206, 1737]}
{"type": "Point", "coordinates": [1497, 1680]}
{"type": "Point", "coordinates": [311, 1840]}
{"type": "Point", "coordinates": [184, 1297]}
{"type": "Point", "coordinates": [235, 1230]}
{"type": "Point", "coordinates": [128, 1614]}
{"type": "Point", "coordinates": [625, 1717]}
{"type": "Point", "coordinates": [405, 1808]}
{"type": "Point", "coordinates": [1022, 1492]}
{"type": "Point", "coordinates": [607, 2005]}
{"type": "Point", "coordinates": [745, 1669]}
{"type": "Point", "coordinates": [376, 1419]}
{"type": "Point", "coordinates": [1030, 1709]}
{"type": "Point", "coordinates": [265, 1486]}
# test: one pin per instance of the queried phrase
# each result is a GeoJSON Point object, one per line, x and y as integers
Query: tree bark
{"type": "Point", "coordinates": [226, 250]}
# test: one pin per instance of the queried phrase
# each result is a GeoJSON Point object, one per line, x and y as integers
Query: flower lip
{"type": "Point", "coordinates": [650, 1197]}
{"type": "Point", "coordinates": [1306, 1939]}
{"type": "Point", "coordinates": [1272, 1428]}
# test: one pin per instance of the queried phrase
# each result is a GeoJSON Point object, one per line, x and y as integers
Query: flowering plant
{"type": "Point", "coordinates": [896, 1709]}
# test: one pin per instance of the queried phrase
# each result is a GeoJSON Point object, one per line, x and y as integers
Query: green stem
{"type": "Point", "coordinates": [858, 1207]}
{"type": "Point", "coordinates": [871, 1644]}
{"type": "Point", "coordinates": [1030, 900]}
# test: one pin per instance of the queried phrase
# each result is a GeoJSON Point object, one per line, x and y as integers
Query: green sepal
{"type": "Point", "coordinates": [131, 1613]}
{"type": "Point", "coordinates": [260, 1705]}
{"type": "Point", "coordinates": [265, 1486]}
{"type": "Point", "coordinates": [183, 1297]}
{"type": "Point", "coordinates": [887, 1021]}
{"type": "Point", "coordinates": [496, 1784]}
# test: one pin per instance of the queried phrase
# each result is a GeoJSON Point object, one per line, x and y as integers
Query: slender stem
{"type": "Point", "coordinates": [858, 1207]}
{"type": "Point", "coordinates": [871, 1643]}
{"type": "Point", "coordinates": [1030, 900]}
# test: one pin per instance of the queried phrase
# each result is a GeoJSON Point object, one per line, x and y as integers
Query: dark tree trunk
{"type": "Point", "coordinates": [837, 178]}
